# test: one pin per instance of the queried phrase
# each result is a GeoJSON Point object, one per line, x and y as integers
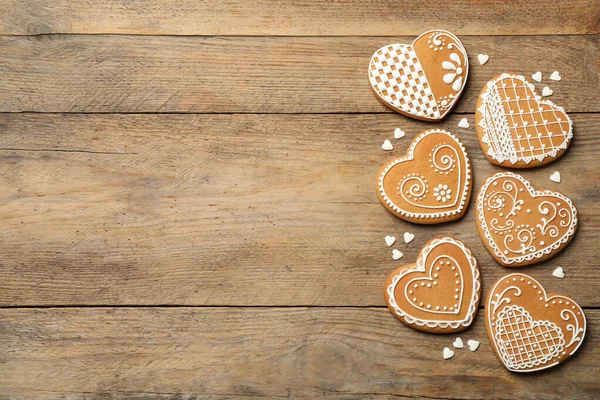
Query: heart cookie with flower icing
{"type": "Point", "coordinates": [440, 292]}
{"type": "Point", "coordinates": [516, 128]}
{"type": "Point", "coordinates": [431, 183]}
{"type": "Point", "coordinates": [422, 80]}
{"type": "Point", "coordinates": [529, 329]}
{"type": "Point", "coordinates": [522, 226]}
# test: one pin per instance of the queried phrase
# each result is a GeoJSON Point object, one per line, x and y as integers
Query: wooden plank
{"type": "Point", "coordinates": [257, 75]}
{"type": "Point", "coordinates": [236, 209]}
{"type": "Point", "coordinates": [305, 18]}
{"type": "Point", "coordinates": [263, 352]}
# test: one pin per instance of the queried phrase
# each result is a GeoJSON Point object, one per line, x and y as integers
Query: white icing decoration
{"type": "Point", "coordinates": [555, 177]}
{"type": "Point", "coordinates": [418, 184]}
{"type": "Point", "coordinates": [453, 263]}
{"type": "Point", "coordinates": [448, 353]}
{"type": "Point", "coordinates": [509, 338]}
{"type": "Point", "coordinates": [473, 345]}
{"type": "Point", "coordinates": [387, 145]}
{"type": "Point", "coordinates": [458, 343]}
{"type": "Point", "coordinates": [526, 251]}
{"type": "Point", "coordinates": [396, 254]}
{"type": "Point", "coordinates": [537, 76]}
{"type": "Point", "coordinates": [408, 237]}
{"type": "Point", "coordinates": [482, 58]}
{"type": "Point", "coordinates": [507, 134]}
{"type": "Point", "coordinates": [404, 86]}
{"type": "Point", "coordinates": [420, 266]}
{"type": "Point", "coordinates": [399, 133]}
{"type": "Point", "coordinates": [464, 123]}
{"type": "Point", "coordinates": [390, 240]}
{"type": "Point", "coordinates": [555, 76]}
{"type": "Point", "coordinates": [547, 91]}
{"type": "Point", "coordinates": [558, 273]}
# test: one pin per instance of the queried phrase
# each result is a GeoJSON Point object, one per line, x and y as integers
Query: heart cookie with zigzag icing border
{"type": "Point", "coordinates": [516, 128]}
{"type": "Point", "coordinates": [440, 292]}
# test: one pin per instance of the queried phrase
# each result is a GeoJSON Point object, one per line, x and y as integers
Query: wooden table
{"type": "Point", "coordinates": [188, 204]}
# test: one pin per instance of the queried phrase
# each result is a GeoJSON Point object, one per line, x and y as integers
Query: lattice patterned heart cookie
{"type": "Point", "coordinates": [521, 226]}
{"type": "Point", "coordinates": [431, 183]}
{"type": "Point", "coordinates": [529, 329]}
{"type": "Point", "coordinates": [516, 128]}
{"type": "Point", "coordinates": [422, 80]}
{"type": "Point", "coordinates": [440, 292]}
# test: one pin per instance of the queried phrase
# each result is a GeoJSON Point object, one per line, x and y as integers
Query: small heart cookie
{"type": "Point", "coordinates": [522, 226]}
{"type": "Point", "coordinates": [473, 345]}
{"type": "Point", "coordinates": [516, 128]}
{"type": "Point", "coordinates": [558, 273]}
{"type": "Point", "coordinates": [422, 80]}
{"type": "Point", "coordinates": [458, 343]}
{"type": "Point", "coordinates": [440, 292]}
{"type": "Point", "coordinates": [529, 329]}
{"type": "Point", "coordinates": [431, 183]}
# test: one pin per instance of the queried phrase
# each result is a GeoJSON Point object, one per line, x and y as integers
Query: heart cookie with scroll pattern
{"type": "Point", "coordinates": [431, 183]}
{"type": "Point", "coordinates": [422, 80]}
{"type": "Point", "coordinates": [529, 329]}
{"type": "Point", "coordinates": [440, 292]}
{"type": "Point", "coordinates": [522, 226]}
{"type": "Point", "coordinates": [516, 128]}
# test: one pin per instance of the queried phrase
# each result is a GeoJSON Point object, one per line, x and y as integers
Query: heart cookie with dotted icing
{"type": "Point", "coordinates": [440, 292]}
{"type": "Point", "coordinates": [422, 80]}
{"type": "Point", "coordinates": [522, 226]}
{"type": "Point", "coordinates": [516, 128]}
{"type": "Point", "coordinates": [431, 183]}
{"type": "Point", "coordinates": [529, 329]}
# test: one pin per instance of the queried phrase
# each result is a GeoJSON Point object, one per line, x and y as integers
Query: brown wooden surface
{"type": "Point", "coordinates": [303, 18]}
{"type": "Point", "coordinates": [88, 73]}
{"type": "Point", "coordinates": [337, 353]}
{"type": "Point", "coordinates": [180, 180]}
{"type": "Point", "coordinates": [236, 209]}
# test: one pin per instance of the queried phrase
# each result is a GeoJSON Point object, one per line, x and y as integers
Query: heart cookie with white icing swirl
{"type": "Point", "coordinates": [516, 128]}
{"type": "Point", "coordinates": [440, 292]}
{"type": "Point", "coordinates": [431, 183]}
{"type": "Point", "coordinates": [522, 226]}
{"type": "Point", "coordinates": [529, 329]}
{"type": "Point", "coordinates": [422, 80]}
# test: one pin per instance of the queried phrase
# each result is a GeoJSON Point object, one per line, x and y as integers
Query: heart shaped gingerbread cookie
{"type": "Point", "coordinates": [529, 329]}
{"type": "Point", "coordinates": [522, 226]}
{"type": "Point", "coordinates": [516, 128]}
{"type": "Point", "coordinates": [422, 80]}
{"type": "Point", "coordinates": [440, 292]}
{"type": "Point", "coordinates": [431, 183]}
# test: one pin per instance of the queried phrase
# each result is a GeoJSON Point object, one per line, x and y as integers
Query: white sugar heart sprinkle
{"type": "Point", "coordinates": [547, 91]}
{"type": "Point", "coordinates": [408, 237]}
{"type": "Point", "coordinates": [390, 240]}
{"type": "Point", "coordinates": [399, 133]}
{"type": "Point", "coordinates": [555, 177]}
{"type": "Point", "coordinates": [387, 145]}
{"type": "Point", "coordinates": [537, 76]}
{"type": "Point", "coordinates": [458, 343]}
{"type": "Point", "coordinates": [556, 76]}
{"type": "Point", "coordinates": [482, 58]}
{"type": "Point", "coordinates": [397, 254]}
{"type": "Point", "coordinates": [473, 344]}
{"type": "Point", "coordinates": [464, 123]}
{"type": "Point", "coordinates": [448, 353]}
{"type": "Point", "coordinates": [558, 273]}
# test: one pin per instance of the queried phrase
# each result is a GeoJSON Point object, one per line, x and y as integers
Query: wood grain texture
{"type": "Point", "coordinates": [237, 209]}
{"type": "Point", "coordinates": [258, 75]}
{"type": "Point", "coordinates": [305, 18]}
{"type": "Point", "coordinates": [346, 353]}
